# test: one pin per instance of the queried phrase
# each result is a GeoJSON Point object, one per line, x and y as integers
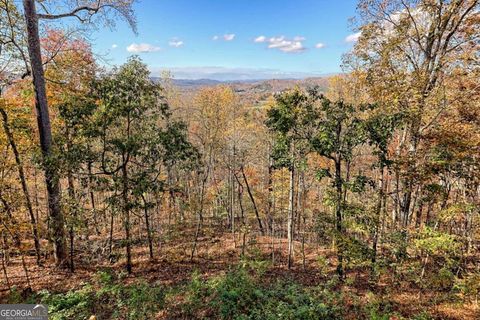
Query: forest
{"type": "Point", "coordinates": [126, 196]}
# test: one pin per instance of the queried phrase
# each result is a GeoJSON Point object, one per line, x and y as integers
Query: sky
{"type": "Point", "coordinates": [234, 39]}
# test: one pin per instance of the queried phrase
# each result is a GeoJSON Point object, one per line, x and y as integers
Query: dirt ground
{"type": "Point", "coordinates": [215, 255]}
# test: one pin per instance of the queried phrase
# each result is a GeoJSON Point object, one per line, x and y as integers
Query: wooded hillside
{"type": "Point", "coordinates": [127, 197]}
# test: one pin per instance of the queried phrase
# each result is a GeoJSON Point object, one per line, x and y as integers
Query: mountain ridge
{"type": "Point", "coordinates": [272, 84]}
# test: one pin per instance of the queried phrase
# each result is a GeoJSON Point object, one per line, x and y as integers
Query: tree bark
{"type": "Point", "coordinates": [270, 207]}
{"type": "Point", "coordinates": [45, 132]}
{"type": "Point", "coordinates": [21, 174]}
{"type": "Point", "coordinates": [200, 214]}
{"type": "Point", "coordinates": [147, 225]}
{"type": "Point", "coordinates": [253, 202]}
{"type": "Point", "coordinates": [338, 215]}
{"type": "Point", "coordinates": [339, 203]}
{"type": "Point", "coordinates": [4, 263]}
{"type": "Point", "coordinates": [126, 212]}
{"type": "Point", "coordinates": [291, 204]}
{"type": "Point", "coordinates": [92, 197]}
{"type": "Point", "coordinates": [73, 217]}
{"type": "Point", "coordinates": [378, 213]}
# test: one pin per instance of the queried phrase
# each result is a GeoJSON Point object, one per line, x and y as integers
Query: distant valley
{"type": "Point", "coordinates": [257, 86]}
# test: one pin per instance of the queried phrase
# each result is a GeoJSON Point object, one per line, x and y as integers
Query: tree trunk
{"type": "Point", "coordinates": [147, 225]}
{"type": "Point", "coordinates": [200, 214]}
{"type": "Point", "coordinates": [71, 230]}
{"type": "Point", "coordinates": [4, 262]}
{"type": "Point", "coordinates": [291, 204]}
{"type": "Point", "coordinates": [92, 197]}
{"type": "Point", "coordinates": [378, 212]}
{"type": "Point", "coordinates": [110, 236]}
{"type": "Point", "coordinates": [302, 219]}
{"type": "Point", "coordinates": [253, 202]}
{"type": "Point", "coordinates": [339, 203]}
{"type": "Point", "coordinates": [270, 208]}
{"type": "Point", "coordinates": [338, 215]}
{"type": "Point", "coordinates": [126, 212]}
{"type": "Point", "coordinates": [232, 205]}
{"type": "Point", "coordinates": [45, 132]}
{"type": "Point", "coordinates": [21, 174]}
{"type": "Point", "coordinates": [240, 202]}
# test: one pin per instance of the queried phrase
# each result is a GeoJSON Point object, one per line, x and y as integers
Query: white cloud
{"type": "Point", "coordinates": [260, 39]}
{"type": "Point", "coordinates": [228, 37]}
{"type": "Point", "coordinates": [283, 44]}
{"type": "Point", "coordinates": [142, 47]}
{"type": "Point", "coordinates": [225, 37]}
{"type": "Point", "coordinates": [175, 43]}
{"type": "Point", "coordinates": [320, 45]}
{"type": "Point", "coordinates": [353, 37]}
{"type": "Point", "coordinates": [114, 46]}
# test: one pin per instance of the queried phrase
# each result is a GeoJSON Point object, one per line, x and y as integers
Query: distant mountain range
{"type": "Point", "coordinates": [196, 83]}
{"type": "Point", "coordinates": [207, 82]}
{"type": "Point", "coordinates": [270, 85]}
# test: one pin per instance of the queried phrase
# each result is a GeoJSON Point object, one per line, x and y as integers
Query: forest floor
{"type": "Point", "coordinates": [217, 254]}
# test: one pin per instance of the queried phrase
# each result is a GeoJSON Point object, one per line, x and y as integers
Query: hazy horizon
{"type": "Point", "coordinates": [229, 75]}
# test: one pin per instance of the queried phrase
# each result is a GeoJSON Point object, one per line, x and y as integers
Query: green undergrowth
{"type": "Point", "coordinates": [105, 297]}
{"type": "Point", "coordinates": [243, 292]}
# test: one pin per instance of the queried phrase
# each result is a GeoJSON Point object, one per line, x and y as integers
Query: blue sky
{"type": "Point", "coordinates": [234, 39]}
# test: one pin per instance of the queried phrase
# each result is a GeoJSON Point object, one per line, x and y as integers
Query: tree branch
{"type": "Point", "coordinates": [74, 13]}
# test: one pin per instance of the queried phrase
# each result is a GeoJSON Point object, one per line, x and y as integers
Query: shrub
{"type": "Point", "coordinates": [443, 279]}
{"type": "Point", "coordinates": [235, 293]}
{"type": "Point", "coordinates": [469, 285]}
{"type": "Point", "coordinates": [291, 301]}
{"type": "Point", "coordinates": [71, 305]}
{"type": "Point", "coordinates": [109, 299]}
{"type": "Point", "coordinates": [240, 294]}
